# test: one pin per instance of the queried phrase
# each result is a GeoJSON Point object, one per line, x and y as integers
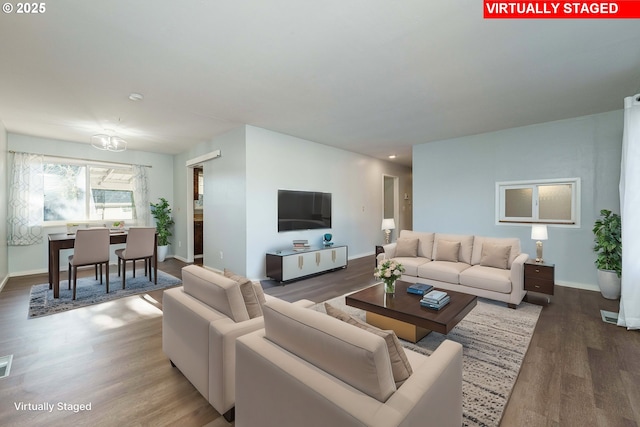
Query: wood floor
{"type": "Point", "coordinates": [578, 371]}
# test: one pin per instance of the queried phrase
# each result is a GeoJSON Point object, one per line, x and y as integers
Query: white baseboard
{"type": "Point", "coordinates": [179, 258]}
{"type": "Point", "coordinates": [30, 272]}
{"type": "Point", "coordinates": [585, 286]}
{"type": "Point", "coordinates": [4, 282]}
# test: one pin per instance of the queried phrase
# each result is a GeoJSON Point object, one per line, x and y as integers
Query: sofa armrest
{"type": "Point", "coordinates": [389, 251]}
{"type": "Point", "coordinates": [185, 335]}
{"type": "Point", "coordinates": [517, 272]}
{"type": "Point", "coordinates": [222, 359]}
{"type": "Point", "coordinates": [434, 391]}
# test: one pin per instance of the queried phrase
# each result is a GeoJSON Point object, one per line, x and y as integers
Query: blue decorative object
{"type": "Point", "coordinates": [326, 239]}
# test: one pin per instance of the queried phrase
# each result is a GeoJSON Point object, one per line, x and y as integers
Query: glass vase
{"type": "Point", "coordinates": [390, 286]}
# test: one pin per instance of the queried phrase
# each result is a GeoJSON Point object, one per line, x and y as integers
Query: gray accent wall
{"type": "Point", "coordinates": [454, 184]}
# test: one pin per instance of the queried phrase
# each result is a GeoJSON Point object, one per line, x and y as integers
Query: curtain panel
{"type": "Point", "coordinates": [26, 200]}
{"type": "Point", "coordinates": [141, 195]}
{"type": "Point", "coordinates": [629, 315]}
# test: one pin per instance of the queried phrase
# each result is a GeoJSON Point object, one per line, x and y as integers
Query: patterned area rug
{"type": "Point", "coordinates": [89, 291]}
{"type": "Point", "coordinates": [495, 340]}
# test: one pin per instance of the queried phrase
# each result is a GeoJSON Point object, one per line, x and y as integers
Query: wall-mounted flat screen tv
{"type": "Point", "coordinates": [303, 210]}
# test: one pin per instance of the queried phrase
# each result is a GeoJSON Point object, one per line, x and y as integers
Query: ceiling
{"type": "Point", "coordinates": [370, 76]}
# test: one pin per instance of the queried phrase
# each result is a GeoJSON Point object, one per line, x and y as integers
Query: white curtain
{"type": "Point", "coordinates": [629, 315]}
{"type": "Point", "coordinates": [26, 200]}
{"type": "Point", "coordinates": [141, 195]}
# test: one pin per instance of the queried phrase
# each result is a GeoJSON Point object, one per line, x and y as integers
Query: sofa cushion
{"type": "Point", "coordinates": [479, 242]}
{"type": "Point", "coordinates": [495, 255]}
{"type": "Point", "coordinates": [354, 356]}
{"type": "Point", "coordinates": [251, 301]}
{"type": "Point", "coordinates": [411, 264]}
{"type": "Point", "coordinates": [399, 363]}
{"type": "Point", "coordinates": [425, 241]}
{"type": "Point", "coordinates": [488, 278]}
{"type": "Point", "coordinates": [215, 290]}
{"type": "Point", "coordinates": [406, 247]}
{"type": "Point", "coordinates": [447, 251]}
{"type": "Point", "coordinates": [466, 245]}
{"type": "Point", "coordinates": [443, 271]}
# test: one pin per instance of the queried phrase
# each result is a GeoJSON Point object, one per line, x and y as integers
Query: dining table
{"type": "Point", "coordinates": [60, 241]}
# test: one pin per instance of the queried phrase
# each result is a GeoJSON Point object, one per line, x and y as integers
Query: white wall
{"type": "Point", "coordinates": [4, 267]}
{"type": "Point", "coordinates": [33, 259]}
{"type": "Point", "coordinates": [277, 161]}
{"type": "Point", "coordinates": [241, 187]}
{"type": "Point", "coordinates": [454, 184]}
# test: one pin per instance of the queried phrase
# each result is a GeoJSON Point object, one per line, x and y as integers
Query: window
{"type": "Point", "coordinates": [542, 201]}
{"type": "Point", "coordinates": [81, 191]}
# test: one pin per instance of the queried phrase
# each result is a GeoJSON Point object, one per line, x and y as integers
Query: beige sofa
{"type": "Point", "coordinates": [309, 369]}
{"type": "Point", "coordinates": [488, 267]}
{"type": "Point", "coordinates": [201, 321]}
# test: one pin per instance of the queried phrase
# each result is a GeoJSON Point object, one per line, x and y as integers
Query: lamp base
{"type": "Point", "coordinates": [387, 235]}
{"type": "Point", "coordinates": [539, 252]}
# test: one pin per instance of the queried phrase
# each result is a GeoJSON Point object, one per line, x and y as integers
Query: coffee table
{"type": "Point", "coordinates": [402, 312]}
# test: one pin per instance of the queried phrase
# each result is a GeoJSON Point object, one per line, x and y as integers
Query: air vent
{"type": "Point", "coordinates": [5, 365]}
{"type": "Point", "coordinates": [609, 317]}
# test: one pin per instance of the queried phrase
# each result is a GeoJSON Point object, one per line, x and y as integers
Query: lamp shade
{"type": "Point", "coordinates": [388, 224]}
{"type": "Point", "coordinates": [539, 232]}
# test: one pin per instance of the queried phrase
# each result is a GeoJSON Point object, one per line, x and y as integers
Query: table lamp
{"type": "Point", "coordinates": [388, 224]}
{"type": "Point", "coordinates": [539, 233]}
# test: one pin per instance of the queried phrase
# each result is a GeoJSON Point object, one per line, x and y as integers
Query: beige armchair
{"type": "Point", "coordinates": [309, 369]}
{"type": "Point", "coordinates": [200, 324]}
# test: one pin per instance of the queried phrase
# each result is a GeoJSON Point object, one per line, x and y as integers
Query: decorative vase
{"type": "Point", "coordinates": [162, 252]}
{"type": "Point", "coordinates": [609, 284]}
{"type": "Point", "coordinates": [390, 286]}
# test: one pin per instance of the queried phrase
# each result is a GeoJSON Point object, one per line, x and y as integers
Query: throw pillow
{"type": "Point", "coordinates": [447, 251]}
{"type": "Point", "coordinates": [400, 365]}
{"type": "Point", "coordinates": [249, 295]}
{"type": "Point", "coordinates": [495, 255]}
{"type": "Point", "coordinates": [407, 247]}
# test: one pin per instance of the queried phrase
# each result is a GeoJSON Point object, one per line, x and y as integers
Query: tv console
{"type": "Point", "coordinates": [286, 265]}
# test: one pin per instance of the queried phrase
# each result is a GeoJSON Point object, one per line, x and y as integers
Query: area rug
{"type": "Point", "coordinates": [495, 340]}
{"type": "Point", "coordinates": [89, 291]}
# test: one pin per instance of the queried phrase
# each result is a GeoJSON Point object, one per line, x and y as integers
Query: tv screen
{"type": "Point", "coordinates": [303, 210]}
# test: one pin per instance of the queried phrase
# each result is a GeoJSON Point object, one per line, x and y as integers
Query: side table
{"type": "Point", "coordinates": [379, 250]}
{"type": "Point", "coordinates": [539, 277]}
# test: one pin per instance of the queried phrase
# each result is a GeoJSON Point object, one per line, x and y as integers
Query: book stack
{"type": "Point", "coordinates": [435, 300]}
{"type": "Point", "coordinates": [419, 288]}
{"type": "Point", "coordinates": [301, 245]}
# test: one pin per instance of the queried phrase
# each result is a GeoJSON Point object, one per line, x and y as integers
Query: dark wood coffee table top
{"type": "Point", "coordinates": [406, 307]}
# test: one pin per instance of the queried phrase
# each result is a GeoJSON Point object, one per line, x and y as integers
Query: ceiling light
{"type": "Point", "coordinates": [135, 96]}
{"type": "Point", "coordinates": [108, 142]}
{"type": "Point", "coordinates": [393, 156]}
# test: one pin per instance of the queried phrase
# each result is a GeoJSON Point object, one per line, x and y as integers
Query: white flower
{"type": "Point", "coordinates": [387, 273]}
{"type": "Point", "coordinates": [396, 273]}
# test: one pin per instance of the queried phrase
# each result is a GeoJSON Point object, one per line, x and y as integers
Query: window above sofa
{"type": "Point", "coordinates": [555, 201]}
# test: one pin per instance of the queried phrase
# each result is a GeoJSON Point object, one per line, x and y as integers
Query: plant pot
{"type": "Point", "coordinates": [609, 284]}
{"type": "Point", "coordinates": [162, 252]}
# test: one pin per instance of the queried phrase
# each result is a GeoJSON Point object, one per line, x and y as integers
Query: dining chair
{"type": "Point", "coordinates": [91, 247]}
{"type": "Point", "coordinates": [140, 245]}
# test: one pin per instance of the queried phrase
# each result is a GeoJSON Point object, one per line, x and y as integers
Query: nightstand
{"type": "Point", "coordinates": [539, 277]}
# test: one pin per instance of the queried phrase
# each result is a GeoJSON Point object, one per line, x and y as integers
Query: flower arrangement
{"type": "Point", "coordinates": [389, 271]}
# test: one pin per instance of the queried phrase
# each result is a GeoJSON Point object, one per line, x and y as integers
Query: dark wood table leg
{"type": "Point", "coordinates": [55, 269]}
{"type": "Point", "coordinates": [155, 260]}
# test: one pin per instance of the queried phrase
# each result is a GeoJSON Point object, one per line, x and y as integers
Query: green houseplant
{"type": "Point", "coordinates": [607, 232]}
{"type": "Point", "coordinates": [161, 211]}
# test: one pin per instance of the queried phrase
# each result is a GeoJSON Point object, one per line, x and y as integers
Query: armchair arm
{"type": "Point", "coordinates": [517, 279]}
{"type": "Point", "coordinates": [389, 251]}
{"type": "Point", "coordinates": [222, 359]}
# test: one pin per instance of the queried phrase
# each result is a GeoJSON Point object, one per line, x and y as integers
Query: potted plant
{"type": "Point", "coordinates": [162, 214]}
{"type": "Point", "coordinates": [607, 233]}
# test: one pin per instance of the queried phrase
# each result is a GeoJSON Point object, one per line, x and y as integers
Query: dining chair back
{"type": "Point", "coordinates": [91, 247]}
{"type": "Point", "coordinates": [141, 244]}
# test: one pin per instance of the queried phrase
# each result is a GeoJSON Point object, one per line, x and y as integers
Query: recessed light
{"type": "Point", "coordinates": [393, 156]}
{"type": "Point", "coordinates": [135, 96]}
